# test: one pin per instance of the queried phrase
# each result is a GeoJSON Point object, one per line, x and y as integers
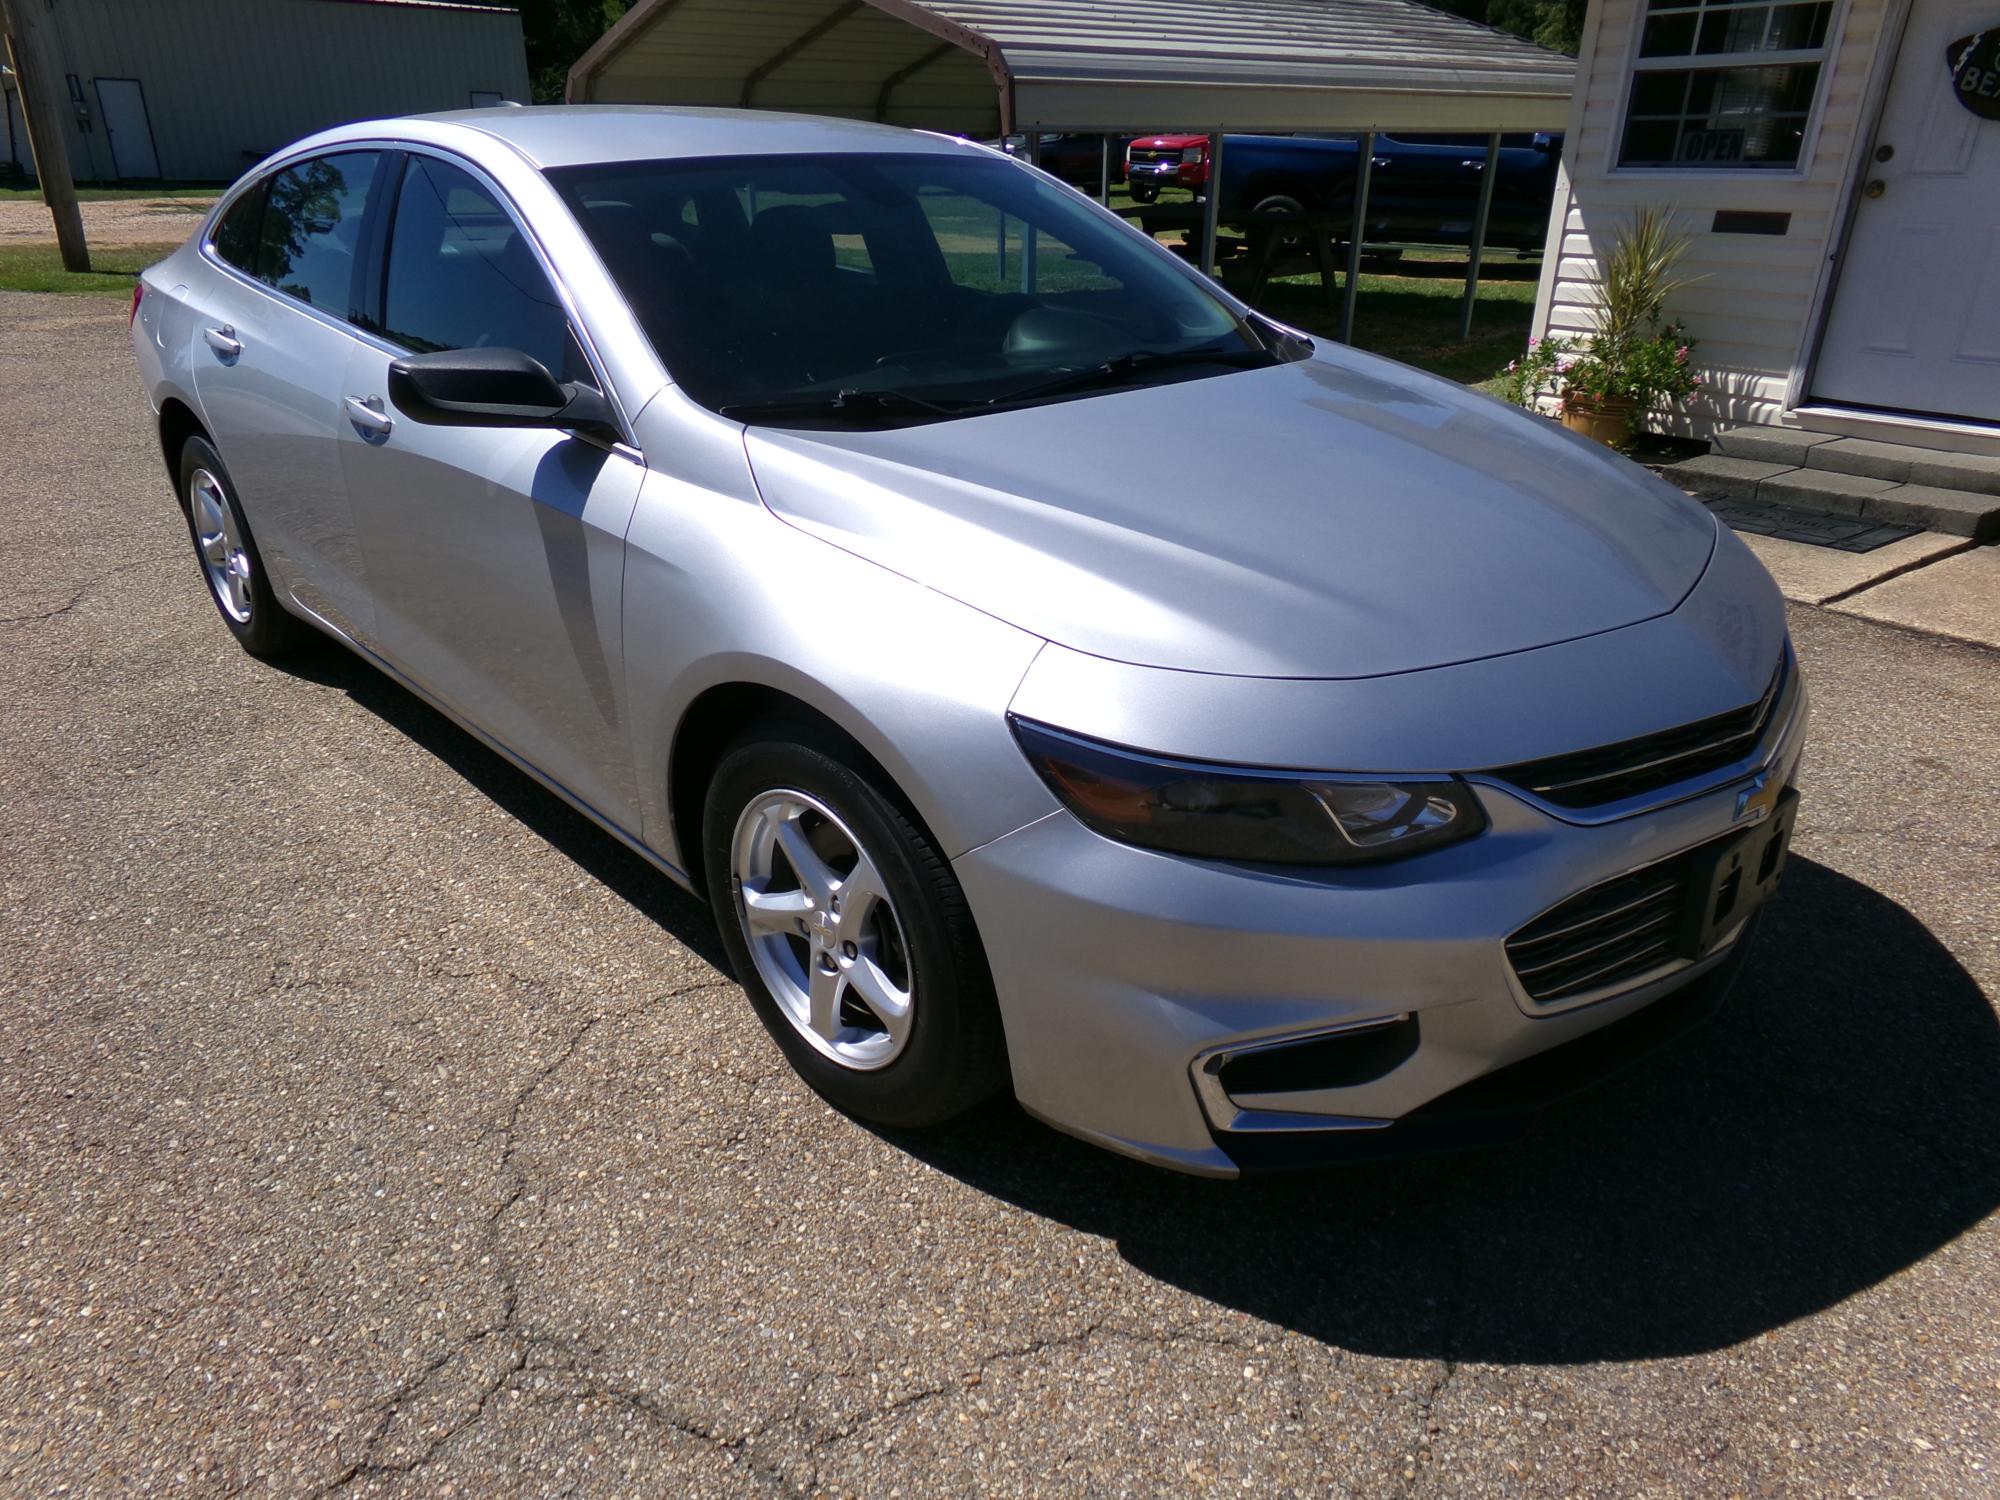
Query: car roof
{"type": "Point", "coordinates": [566, 135]}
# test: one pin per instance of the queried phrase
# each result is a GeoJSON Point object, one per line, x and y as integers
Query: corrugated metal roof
{"type": "Point", "coordinates": [1086, 64]}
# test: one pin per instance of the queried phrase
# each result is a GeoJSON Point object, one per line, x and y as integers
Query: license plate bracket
{"type": "Point", "coordinates": [1736, 877]}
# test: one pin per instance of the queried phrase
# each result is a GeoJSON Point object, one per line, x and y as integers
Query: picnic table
{"type": "Point", "coordinates": [1268, 244]}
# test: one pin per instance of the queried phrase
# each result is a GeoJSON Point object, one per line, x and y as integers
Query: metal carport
{"type": "Point", "coordinates": [990, 67]}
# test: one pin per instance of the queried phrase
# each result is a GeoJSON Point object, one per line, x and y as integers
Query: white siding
{"type": "Point", "coordinates": [1750, 313]}
{"type": "Point", "coordinates": [228, 81]}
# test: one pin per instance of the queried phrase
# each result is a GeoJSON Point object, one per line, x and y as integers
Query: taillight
{"type": "Point", "coordinates": [138, 291]}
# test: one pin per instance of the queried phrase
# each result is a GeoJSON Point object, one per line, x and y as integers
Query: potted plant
{"type": "Point", "coordinates": [1635, 360]}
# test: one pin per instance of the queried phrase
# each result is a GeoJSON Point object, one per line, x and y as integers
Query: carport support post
{"type": "Point", "coordinates": [1027, 229]}
{"type": "Point", "coordinates": [1490, 171]}
{"type": "Point", "coordinates": [1104, 170]}
{"type": "Point", "coordinates": [48, 137]}
{"type": "Point", "coordinates": [1212, 214]}
{"type": "Point", "coordinates": [1364, 168]}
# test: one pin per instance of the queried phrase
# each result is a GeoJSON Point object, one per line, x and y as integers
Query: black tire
{"type": "Point", "coordinates": [1145, 192]}
{"type": "Point", "coordinates": [267, 628]}
{"type": "Point", "coordinates": [1281, 203]}
{"type": "Point", "coordinates": [955, 1055]}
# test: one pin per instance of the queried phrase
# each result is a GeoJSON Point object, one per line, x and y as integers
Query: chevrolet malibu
{"type": "Point", "coordinates": [1351, 771]}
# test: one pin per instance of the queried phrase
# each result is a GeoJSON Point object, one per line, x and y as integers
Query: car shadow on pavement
{"type": "Point", "coordinates": [1838, 1121]}
{"type": "Point", "coordinates": [519, 795]}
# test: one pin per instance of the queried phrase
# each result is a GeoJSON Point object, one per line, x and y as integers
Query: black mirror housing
{"type": "Point", "coordinates": [493, 388]}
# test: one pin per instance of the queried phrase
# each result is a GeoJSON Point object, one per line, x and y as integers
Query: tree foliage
{"type": "Point", "coordinates": [557, 33]}
{"type": "Point", "coordinates": [1553, 23]}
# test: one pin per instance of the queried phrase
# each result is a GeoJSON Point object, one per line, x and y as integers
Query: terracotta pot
{"type": "Point", "coordinates": [1607, 420]}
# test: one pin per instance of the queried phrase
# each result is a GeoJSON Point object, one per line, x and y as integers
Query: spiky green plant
{"type": "Point", "coordinates": [1639, 274]}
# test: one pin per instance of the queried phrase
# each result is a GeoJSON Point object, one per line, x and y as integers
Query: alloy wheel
{"type": "Point", "coordinates": [822, 929]}
{"type": "Point", "coordinates": [223, 557]}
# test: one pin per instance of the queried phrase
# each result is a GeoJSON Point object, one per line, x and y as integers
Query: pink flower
{"type": "Point", "coordinates": [1681, 355]}
{"type": "Point", "coordinates": [1513, 365]}
{"type": "Point", "coordinates": [1534, 343]}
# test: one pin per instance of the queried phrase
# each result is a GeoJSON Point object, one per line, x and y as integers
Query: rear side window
{"type": "Point", "coordinates": [310, 245]}
{"type": "Point", "coordinates": [236, 234]}
{"type": "Point", "coordinates": [463, 276]}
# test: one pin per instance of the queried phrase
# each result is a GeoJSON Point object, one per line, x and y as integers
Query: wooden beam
{"type": "Point", "coordinates": [48, 135]}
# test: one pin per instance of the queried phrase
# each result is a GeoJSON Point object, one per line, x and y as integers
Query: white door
{"type": "Point", "coordinates": [1916, 313]}
{"type": "Point", "coordinates": [121, 104]}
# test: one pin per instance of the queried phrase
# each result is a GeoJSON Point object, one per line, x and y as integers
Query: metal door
{"type": "Point", "coordinates": [121, 105]}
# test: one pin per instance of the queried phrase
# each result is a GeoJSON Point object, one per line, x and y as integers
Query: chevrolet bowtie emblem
{"type": "Point", "coordinates": [1755, 801]}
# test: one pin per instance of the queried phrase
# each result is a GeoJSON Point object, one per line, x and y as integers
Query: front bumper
{"type": "Point", "coordinates": [1122, 972]}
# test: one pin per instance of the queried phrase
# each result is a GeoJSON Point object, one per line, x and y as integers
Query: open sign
{"type": "Point", "coordinates": [1975, 72]}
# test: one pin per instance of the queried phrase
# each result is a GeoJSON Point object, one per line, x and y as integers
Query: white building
{"type": "Point", "coordinates": [197, 90]}
{"type": "Point", "coordinates": [1837, 163]}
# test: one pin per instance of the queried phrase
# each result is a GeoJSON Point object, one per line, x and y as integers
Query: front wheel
{"type": "Point", "coordinates": [849, 932]}
{"type": "Point", "coordinates": [1145, 192]}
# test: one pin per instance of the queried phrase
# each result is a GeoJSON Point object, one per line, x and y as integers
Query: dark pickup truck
{"type": "Point", "coordinates": [1421, 188]}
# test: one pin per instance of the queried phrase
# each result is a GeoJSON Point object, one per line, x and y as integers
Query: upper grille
{"type": "Point", "coordinates": [1609, 935]}
{"type": "Point", "coordinates": [1631, 768]}
{"type": "Point", "coordinates": [1150, 154]}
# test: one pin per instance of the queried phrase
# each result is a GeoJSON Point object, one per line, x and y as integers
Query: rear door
{"type": "Point", "coordinates": [496, 555]}
{"type": "Point", "coordinates": [271, 338]}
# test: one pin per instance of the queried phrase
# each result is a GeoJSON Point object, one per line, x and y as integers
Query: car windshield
{"type": "Point", "coordinates": [878, 289]}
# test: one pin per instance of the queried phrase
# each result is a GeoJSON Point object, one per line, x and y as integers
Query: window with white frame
{"type": "Point", "coordinates": [1724, 84]}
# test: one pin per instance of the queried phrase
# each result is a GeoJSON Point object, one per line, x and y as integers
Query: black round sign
{"type": "Point", "coordinates": [1975, 72]}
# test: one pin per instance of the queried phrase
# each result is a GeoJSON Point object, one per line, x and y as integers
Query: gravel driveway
{"type": "Point", "coordinates": [125, 221]}
{"type": "Point", "coordinates": [369, 1123]}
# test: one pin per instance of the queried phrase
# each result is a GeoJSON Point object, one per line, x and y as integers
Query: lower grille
{"type": "Point", "coordinates": [1608, 936]}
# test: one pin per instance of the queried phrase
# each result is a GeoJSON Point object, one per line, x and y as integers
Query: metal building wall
{"type": "Point", "coordinates": [228, 81]}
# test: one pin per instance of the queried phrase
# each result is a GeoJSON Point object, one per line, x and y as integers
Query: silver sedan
{"type": "Point", "coordinates": [1056, 675]}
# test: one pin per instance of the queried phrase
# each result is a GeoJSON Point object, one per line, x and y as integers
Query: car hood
{"type": "Point", "coordinates": [1341, 516]}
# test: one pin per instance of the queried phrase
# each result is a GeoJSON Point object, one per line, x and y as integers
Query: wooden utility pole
{"type": "Point", "coordinates": [48, 136]}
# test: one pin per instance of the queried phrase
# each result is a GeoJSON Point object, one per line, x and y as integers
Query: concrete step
{"type": "Point", "coordinates": [1735, 475]}
{"type": "Point", "coordinates": [1899, 463]}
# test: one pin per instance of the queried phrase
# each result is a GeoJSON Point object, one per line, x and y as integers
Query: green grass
{"type": "Point", "coordinates": [1410, 312]}
{"type": "Point", "coordinates": [208, 192]}
{"type": "Point", "coordinates": [39, 268]}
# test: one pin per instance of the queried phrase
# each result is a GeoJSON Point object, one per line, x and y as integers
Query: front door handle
{"type": "Point", "coordinates": [368, 415]}
{"type": "Point", "coordinates": [223, 341]}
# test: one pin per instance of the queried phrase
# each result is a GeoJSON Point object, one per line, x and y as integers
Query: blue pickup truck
{"type": "Point", "coordinates": [1421, 188]}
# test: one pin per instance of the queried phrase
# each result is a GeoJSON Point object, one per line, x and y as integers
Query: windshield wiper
{"type": "Point", "coordinates": [841, 403]}
{"type": "Point", "coordinates": [1125, 366]}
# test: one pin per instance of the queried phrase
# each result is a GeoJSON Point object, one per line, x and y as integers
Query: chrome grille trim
{"type": "Point", "coordinates": [1616, 934]}
{"type": "Point", "coordinates": [1632, 768]}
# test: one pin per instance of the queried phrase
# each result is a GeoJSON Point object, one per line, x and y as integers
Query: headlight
{"type": "Point", "coordinates": [1191, 155]}
{"type": "Point", "coordinates": [1252, 816]}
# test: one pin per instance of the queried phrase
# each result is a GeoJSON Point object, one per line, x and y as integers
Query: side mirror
{"type": "Point", "coordinates": [494, 388]}
{"type": "Point", "coordinates": [1543, 141]}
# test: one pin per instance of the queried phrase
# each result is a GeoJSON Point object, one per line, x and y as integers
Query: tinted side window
{"type": "Point", "coordinates": [236, 233]}
{"type": "Point", "coordinates": [311, 240]}
{"type": "Point", "coordinates": [462, 275]}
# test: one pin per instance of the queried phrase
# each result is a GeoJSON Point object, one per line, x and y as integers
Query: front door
{"type": "Point", "coordinates": [496, 555]}
{"type": "Point", "coordinates": [122, 104]}
{"type": "Point", "coordinates": [1916, 314]}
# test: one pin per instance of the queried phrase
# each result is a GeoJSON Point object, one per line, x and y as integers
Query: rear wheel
{"type": "Point", "coordinates": [848, 931]}
{"type": "Point", "coordinates": [229, 558]}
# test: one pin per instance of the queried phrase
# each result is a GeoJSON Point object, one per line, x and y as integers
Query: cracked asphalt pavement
{"type": "Point", "coordinates": [370, 1124]}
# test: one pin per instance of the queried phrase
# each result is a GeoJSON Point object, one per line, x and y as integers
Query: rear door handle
{"type": "Point", "coordinates": [1477, 164]}
{"type": "Point", "coordinates": [368, 415]}
{"type": "Point", "coordinates": [223, 341]}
